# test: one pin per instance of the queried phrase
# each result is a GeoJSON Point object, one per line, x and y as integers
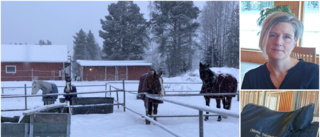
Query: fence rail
{"type": "Point", "coordinates": [116, 90]}
{"type": "Point", "coordinates": [19, 96]}
{"type": "Point", "coordinates": [200, 108]}
{"type": "Point", "coordinates": [3, 88]}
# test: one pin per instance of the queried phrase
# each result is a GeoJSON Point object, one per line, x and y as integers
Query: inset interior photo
{"type": "Point", "coordinates": [279, 113]}
{"type": "Point", "coordinates": [279, 45]}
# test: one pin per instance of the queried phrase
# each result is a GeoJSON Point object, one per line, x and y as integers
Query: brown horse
{"type": "Point", "coordinates": [151, 83]}
{"type": "Point", "coordinates": [213, 83]}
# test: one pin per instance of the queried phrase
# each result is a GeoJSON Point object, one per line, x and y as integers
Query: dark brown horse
{"type": "Point", "coordinates": [213, 83]}
{"type": "Point", "coordinates": [151, 83]}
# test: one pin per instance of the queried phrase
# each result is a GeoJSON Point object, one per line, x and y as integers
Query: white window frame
{"type": "Point", "coordinates": [15, 68]}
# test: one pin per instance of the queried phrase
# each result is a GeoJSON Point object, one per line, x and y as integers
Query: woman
{"type": "Point", "coordinates": [279, 35]}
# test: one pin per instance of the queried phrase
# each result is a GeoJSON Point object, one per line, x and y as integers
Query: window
{"type": "Point", "coordinates": [311, 21]}
{"type": "Point", "coordinates": [10, 69]}
{"type": "Point", "coordinates": [249, 29]}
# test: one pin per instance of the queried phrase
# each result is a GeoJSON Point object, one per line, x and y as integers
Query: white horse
{"type": "Point", "coordinates": [46, 88]}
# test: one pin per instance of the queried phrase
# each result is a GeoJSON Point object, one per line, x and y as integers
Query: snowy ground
{"type": "Point", "coordinates": [125, 124]}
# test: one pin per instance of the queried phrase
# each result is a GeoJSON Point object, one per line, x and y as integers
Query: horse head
{"type": "Point", "coordinates": [35, 87]}
{"type": "Point", "coordinates": [207, 76]}
{"type": "Point", "coordinates": [156, 82]}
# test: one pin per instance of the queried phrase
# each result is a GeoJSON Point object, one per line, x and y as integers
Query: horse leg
{"type": "Point", "coordinates": [228, 103]}
{"type": "Point", "coordinates": [218, 106]}
{"type": "Point", "coordinates": [155, 110]}
{"type": "Point", "coordinates": [149, 111]}
{"type": "Point", "coordinates": [218, 103]}
{"type": "Point", "coordinates": [146, 108]}
{"type": "Point", "coordinates": [208, 104]}
{"type": "Point", "coordinates": [224, 102]}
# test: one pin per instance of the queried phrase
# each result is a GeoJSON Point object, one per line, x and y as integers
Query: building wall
{"type": "Point", "coordinates": [93, 73]}
{"type": "Point", "coordinates": [101, 73]}
{"type": "Point", "coordinates": [135, 72]}
{"type": "Point", "coordinates": [32, 71]}
{"type": "Point", "coordinates": [110, 73]}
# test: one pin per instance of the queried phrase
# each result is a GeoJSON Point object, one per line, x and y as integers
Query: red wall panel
{"type": "Point", "coordinates": [27, 71]}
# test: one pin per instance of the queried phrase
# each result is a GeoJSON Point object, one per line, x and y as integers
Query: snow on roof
{"type": "Point", "coordinates": [113, 63]}
{"type": "Point", "coordinates": [34, 53]}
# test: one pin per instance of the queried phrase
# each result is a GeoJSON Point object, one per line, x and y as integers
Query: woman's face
{"type": "Point", "coordinates": [281, 41]}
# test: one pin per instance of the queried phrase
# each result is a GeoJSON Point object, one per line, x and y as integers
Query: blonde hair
{"type": "Point", "coordinates": [274, 19]}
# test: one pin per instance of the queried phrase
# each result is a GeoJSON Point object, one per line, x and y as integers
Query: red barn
{"type": "Point", "coordinates": [33, 62]}
{"type": "Point", "coordinates": [102, 70]}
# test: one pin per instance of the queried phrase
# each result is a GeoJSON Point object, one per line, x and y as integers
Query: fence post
{"type": "Point", "coordinates": [110, 89]}
{"type": "Point", "coordinates": [117, 98]}
{"type": "Point", "coordinates": [106, 88]}
{"type": "Point", "coordinates": [124, 96]}
{"type": "Point", "coordinates": [200, 123]}
{"type": "Point", "coordinates": [25, 98]}
{"type": "Point", "coordinates": [31, 125]}
{"type": "Point", "coordinates": [238, 95]}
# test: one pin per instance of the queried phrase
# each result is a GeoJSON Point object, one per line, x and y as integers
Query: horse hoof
{"type": "Point", "coordinates": [206, 119]}
{"type": "Point", "coordinates": [147, 122]}
{"type": "Point", "coordinates": [219, 118]}
{"type": "Point", "coordinates": [227, 108]}
{"type": "Point", "coordinates": [155, 119]}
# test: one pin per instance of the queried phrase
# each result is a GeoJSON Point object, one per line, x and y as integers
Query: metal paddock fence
{"type": "Point", "coordinates": [116, 90]}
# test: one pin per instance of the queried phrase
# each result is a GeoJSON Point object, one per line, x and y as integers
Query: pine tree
{"type": "Point", "coordinates": [42, 42]}
{"type": "Point", "coordinates": [49, 42]}
{"type": "Point", "coordinates": [93, 48]}
{"type": "Point", "coordinates": [124, 32]}
{"type": "Point", "coordinates": [79, 49]}
{"type": "Point", "coordinates": [174, 26]}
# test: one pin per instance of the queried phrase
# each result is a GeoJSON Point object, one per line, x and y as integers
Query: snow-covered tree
{"type": "Point", "coordinates": [93, 48]}
{"type": "Point", "coordinates": [220, 33]}
{"type": "Point", "coordinates": [173, 26]}
{"type": "Point", "coordinates": [124, 32]}
{"type": "Point", "coordinates": [49, 42]}
{"type": "Point", "coordinates": [42, 42]}
{"type": "Point", "coordinates": [79, 49]}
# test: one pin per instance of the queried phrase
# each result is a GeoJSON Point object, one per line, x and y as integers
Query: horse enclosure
{"type": "Point", "coordinates": [118, 90]}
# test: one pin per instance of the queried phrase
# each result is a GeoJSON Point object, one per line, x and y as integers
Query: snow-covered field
{"type": "Point", "coordinates": [128, 124]}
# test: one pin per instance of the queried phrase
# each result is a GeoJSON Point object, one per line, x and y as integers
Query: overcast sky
{"type": "Point", "coordinates": [58, 21]}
